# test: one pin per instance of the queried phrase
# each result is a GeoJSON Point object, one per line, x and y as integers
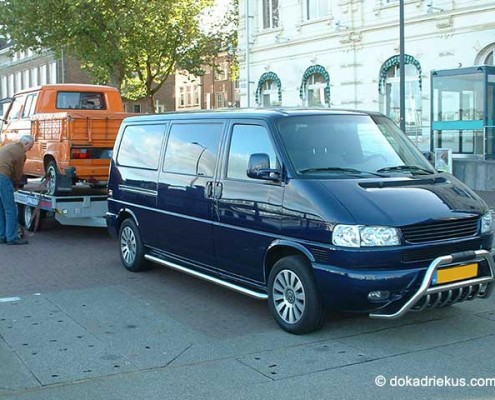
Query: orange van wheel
{"type": "Point", "coordinates": [52, 178]}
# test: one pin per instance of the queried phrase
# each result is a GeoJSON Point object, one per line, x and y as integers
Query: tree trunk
{"type": "Point", "coordinates": [151, 103]}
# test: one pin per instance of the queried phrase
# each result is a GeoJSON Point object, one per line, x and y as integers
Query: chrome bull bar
{"type": "Point", "coordinates": [454, 292]}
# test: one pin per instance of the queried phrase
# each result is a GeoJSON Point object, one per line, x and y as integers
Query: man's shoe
{"type": "Point", "coordinates": [2, 241]}
{"type": "Point", "coordinates": [18, 242]}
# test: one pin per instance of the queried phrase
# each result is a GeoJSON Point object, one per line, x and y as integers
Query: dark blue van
{"type": "Point", "coordinates": [314, 210]}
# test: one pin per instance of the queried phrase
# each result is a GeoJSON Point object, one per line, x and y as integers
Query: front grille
{"type": "Point", "coordinates": [431, 252]}
{"type": "Point", "coordinates": [441, 230]}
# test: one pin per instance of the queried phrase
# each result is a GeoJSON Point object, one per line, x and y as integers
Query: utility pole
{"type": "Point", "coordinates": [402, 69]}
{"type": "Point", "coordinates": [248, 74]}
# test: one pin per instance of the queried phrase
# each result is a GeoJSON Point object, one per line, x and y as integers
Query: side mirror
{"type": "Point", "coordinates": [259, 168]}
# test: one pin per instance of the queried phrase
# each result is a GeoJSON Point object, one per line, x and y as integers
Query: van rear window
{"type": "Point", "coordinates": [141, 145]}
{"type": "Point", "coordinates": [81, 101]}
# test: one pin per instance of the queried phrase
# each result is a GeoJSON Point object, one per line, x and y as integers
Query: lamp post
{"type": "Point", "coordinates": [248, 75]}
{"type": "Point", "coordinates": [402, 70]}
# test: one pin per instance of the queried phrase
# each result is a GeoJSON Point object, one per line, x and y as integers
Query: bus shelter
{"type": "Point", "coordinates": [463, 121]}
{"type": "Point", "coordinates": [462, 112]}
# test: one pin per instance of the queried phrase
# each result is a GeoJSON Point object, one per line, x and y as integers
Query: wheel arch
{"type": "Point", "coordinates": [283, 248]}
{"type": "Point", "coordinates": [124, 214]}
{"type": "Point", "coordinates": [47, 158]}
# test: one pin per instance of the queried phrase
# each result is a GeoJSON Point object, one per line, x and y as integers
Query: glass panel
{"type": "Point", "coordinates": [313, 98]}
{"type": "Point", "coordinates": [323, 8]}
{"type": "Point", "coordinates": [30, 105]}
{"type": "Point", "coordinates": [461, 141]}
{"type": "Point", "coordinates": [449, 139]}
{"type": "Point", "coordinates": [192, 149]}
{"type": "Point", "coordinates": [450, 106]}
{"type": "Point", "coordinates": [490, 104]}
{"type": "Point", "coordinates": [275, 14]}
{"type": "Point", "coordinates": [266, 14]}
{"type": "Point", "coordinates": [316, 9]}
{"type": "Point", "coordinates": [266, 100]}
{"type": "Point", "coordinates": [318, 144]}
{"type": "Point", "coordinates": [135, 151]}
{"type": "Point", "coordinates": [80, 100]}
{"type": "Point", "coordinates": [458, 97]}
{"type": "Point", "coordinates": [467, 141]}
{"type": "Point", "coordinates": [490, 142]}
{"type": "Point", "coordinates": [247, 140]}
{"type": "Point", "coordinates": [16, 108]}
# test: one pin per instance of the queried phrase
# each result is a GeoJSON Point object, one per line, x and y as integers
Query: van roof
{"type": "Point", "coordinates": [252, 113]}
{"type": "Point", "coordinates": [68, 86]}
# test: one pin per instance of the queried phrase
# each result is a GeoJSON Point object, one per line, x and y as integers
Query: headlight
{"type": "Point", "coordinates": [486, 223]}
{"type": "Point", "coordinates": [364, 236]}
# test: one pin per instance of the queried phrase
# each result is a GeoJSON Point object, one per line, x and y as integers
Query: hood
{"type": "Point", "coordinates": [405, 200]}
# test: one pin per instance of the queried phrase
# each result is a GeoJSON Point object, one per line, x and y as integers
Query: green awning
{"type": "Point", "coordinates": [392, 62]}
{"type": "Point", "coordinates": [268, 76]}
{"type": "Point", "coordinates": [315, 69]}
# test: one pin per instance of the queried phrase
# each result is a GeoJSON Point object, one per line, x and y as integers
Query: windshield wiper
{"type": "Point", "coordinates": [338, 169]}
{"type": "Point", "coordinates": [409, 168]}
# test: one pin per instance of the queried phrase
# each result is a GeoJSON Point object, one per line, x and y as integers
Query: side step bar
{"type": "Point", "coordinates": [228, 285]}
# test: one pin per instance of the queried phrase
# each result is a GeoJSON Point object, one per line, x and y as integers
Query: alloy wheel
{"type": "Point", "coordinates": [289, 296]}
{"type": "Point", "coordinates": [128, 245]}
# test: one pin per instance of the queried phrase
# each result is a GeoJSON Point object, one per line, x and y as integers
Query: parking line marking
{"type": "Point", "coordinates": [8, 299]}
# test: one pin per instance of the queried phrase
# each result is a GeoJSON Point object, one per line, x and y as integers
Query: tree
{"type": "Point", "coordinates": [132, 44]}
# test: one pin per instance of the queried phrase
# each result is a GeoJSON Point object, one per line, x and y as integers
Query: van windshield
{"type": "Point", "coordinates": [349, 146]}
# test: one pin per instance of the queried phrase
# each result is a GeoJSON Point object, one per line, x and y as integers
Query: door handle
{"type": "Point", "coordinates": [217, 192]}
{"type": "Point", "coordinates": [209, 189]}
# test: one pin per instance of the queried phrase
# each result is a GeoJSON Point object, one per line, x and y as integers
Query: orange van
{"type": "Point", "coordinates": [74, 127]}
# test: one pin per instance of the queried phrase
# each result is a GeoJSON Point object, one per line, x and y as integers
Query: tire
{"type": "Point", "coordinates": [293, 296]}
{"type": "Point", "coordinates": [131, 247]}
{"type": "Point", "coordinates": [52, 178]}
{"type": "Point", "coordinates": [29, 219]}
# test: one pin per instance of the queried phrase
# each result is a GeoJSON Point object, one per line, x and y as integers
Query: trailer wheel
{"type": "Point", "coordinates": [131, 247]}
{"type": "Point", "coordinates": [52, 178]}
{"type": "Point", "coordinates": [27, 217]}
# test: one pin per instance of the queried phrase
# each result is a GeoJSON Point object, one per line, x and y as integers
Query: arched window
{"type": "Point", "coordinates": [315, 87]}
{"type": "Point", "coordinates": [269, 90]}
{"type": "Point", "coordinates": [486, 56]}
{"type": "Point", "coordinates": [389, 88]}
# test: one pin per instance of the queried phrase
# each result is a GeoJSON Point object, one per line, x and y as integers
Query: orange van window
{"type": "Point", "coordinates": [15, 109]}
{"type": "Point", "coordinates": [81, 101]}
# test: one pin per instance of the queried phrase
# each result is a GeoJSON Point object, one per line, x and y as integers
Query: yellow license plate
{"type": "Point", "coordinates": [447, 275]}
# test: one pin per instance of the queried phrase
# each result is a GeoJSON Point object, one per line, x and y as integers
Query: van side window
{"type": "Point", "coordinates": [192, 148]}
{"type": "Point", "coordinates": [30, 105]}
{"type": "Point", "coordinates": [247, 140]}
{"type": "Point", "coordinates": [15, 108]}
{"type": "Point", "coordinates": [140, 146]}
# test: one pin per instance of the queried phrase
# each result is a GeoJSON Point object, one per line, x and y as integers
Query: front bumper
{"type": "Point", "coordinates": [347, 290]}
{"type": "Point", "coordinates": [429, 295]}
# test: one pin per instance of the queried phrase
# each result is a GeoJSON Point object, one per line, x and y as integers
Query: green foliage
{"type": "Point", "coordinates": [132, 44]}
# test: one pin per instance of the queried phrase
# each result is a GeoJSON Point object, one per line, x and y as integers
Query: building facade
{"type": "Point", "coordinates": [181, 91]}
{"type": "Point", "coordinates": [25, 69]}
{"type": "Point", "coordinates": [345, 53]}
{"type": "Point", "coordinates": [215, 89]}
